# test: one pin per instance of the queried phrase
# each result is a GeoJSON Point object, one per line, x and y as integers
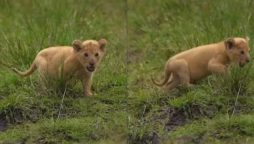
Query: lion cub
{"type": "Point", "coordinates": [80, 60]}
{"type": "Point", "coordinates": [194, 64]}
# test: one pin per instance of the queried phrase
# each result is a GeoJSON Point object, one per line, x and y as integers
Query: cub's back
{"type": "Point", "coordinates": [56, 53]}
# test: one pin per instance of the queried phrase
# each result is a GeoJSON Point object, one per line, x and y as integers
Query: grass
{"type": "Point", "coordinates": [127, 107]}
{"type": "Point", "coordinates": [236, 129]}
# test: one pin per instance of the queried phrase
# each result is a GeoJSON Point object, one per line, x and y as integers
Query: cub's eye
{"type": "Point", "coordinates": [242, 52]}
{"type": "Point", "coordinates": [86, 54]}
{"type": "Point", "coordinates": [96, 54]}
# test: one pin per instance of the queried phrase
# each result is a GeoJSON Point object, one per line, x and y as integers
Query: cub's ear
{"type": "Point", "coordinates": [103, 43]}
{"type": "Point", "coordinates": [229, 43]}
{"type": "Point", "coordinates": [76, 45]}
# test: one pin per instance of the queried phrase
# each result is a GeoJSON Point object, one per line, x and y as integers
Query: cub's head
{"type": "Point", "coordinates": [238, 50]}
{"type": "Point", "coordinates": [89, 53]}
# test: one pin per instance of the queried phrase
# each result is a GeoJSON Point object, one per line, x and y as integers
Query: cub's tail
{"type": "Point", "coordinates": [166, 79]}
{"type": "Point", "coordinates": [27, 72]}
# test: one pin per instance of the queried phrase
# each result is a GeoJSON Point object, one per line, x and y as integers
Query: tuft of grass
{"type": "Point", "coordinates": [72, 130]}
{"type": "Point", "coordinates": [223, 129]}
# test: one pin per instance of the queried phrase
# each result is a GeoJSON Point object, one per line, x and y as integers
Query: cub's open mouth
{"type": "Point", "coordinates": [90, 68]}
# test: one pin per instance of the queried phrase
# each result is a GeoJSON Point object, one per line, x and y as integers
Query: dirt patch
{"type": "Point", "coordinates": [172, 117]}
{"type": "Point", "coordinates": [179, 117]}
{"type": "Point", "coordinates": [3, 122]}
{"type": "Point", "coordinates": [152, 138]}
{"type": "Point", "coordinates": [176, 118]}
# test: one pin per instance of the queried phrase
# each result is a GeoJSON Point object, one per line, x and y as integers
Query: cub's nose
{"type": "Point", "coordinates": [91, 64]}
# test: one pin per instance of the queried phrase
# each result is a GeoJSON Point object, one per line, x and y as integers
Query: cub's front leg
{"type": "Point", "coordinates": [217, 67]}
{"type": "Point", "coordinates": [87, 84]}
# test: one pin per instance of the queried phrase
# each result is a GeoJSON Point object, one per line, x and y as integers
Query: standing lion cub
{"type": "Point", "coordinates": [80, 60]}
{"type": "Point", "coordinates": [199, 62]}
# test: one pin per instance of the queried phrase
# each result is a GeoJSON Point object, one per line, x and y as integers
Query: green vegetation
{"type": "Point", "coordinates": [127, 107]}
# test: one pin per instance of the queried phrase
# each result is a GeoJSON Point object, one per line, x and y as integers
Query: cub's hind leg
{"type": "Point", "coordinates": [181, 70]}
{"type": "Point", "coordinates": [173, 83]}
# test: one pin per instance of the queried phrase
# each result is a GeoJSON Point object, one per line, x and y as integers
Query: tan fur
{"type": "Point", "coordinates": [80, 60]}
{"type": "Point", "coordinates": [194, 64]}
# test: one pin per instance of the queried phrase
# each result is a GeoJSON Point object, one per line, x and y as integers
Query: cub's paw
{"type": "Point", "coordinates": [88, 94]}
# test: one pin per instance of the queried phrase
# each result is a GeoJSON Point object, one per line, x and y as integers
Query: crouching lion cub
{"type": "Point", "coordinates": [194, 64]}
{"type": "Point", "coordinates": [80, 60]}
